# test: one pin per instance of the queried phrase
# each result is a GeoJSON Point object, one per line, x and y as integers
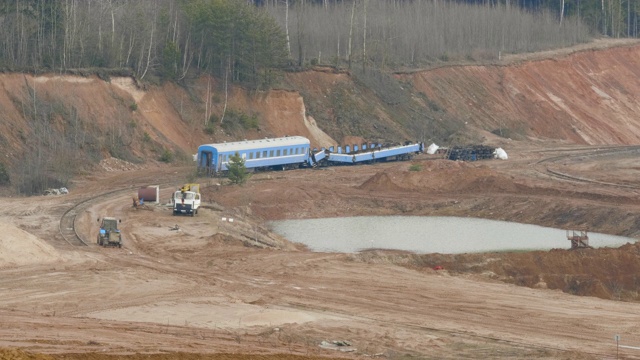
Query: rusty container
{"type": "Point", "coordinates": [149, 193]}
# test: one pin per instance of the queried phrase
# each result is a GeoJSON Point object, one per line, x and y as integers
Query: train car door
{"type": "Point", "coordinates": [205, 160]}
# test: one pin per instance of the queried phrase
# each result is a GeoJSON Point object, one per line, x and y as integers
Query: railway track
{"type": "Point", "coordinates": [587, 154]}
{"type": "Point", "coordinates": [68, 229]}
{"type": "Point", "coordinates": [67, 226]}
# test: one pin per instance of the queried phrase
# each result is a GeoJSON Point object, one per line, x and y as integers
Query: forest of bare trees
{"type": "Point", "coordinates": [250, 42]}
{"type": "Point", "coordinates": [161, 38]}
{"type": "Point", "coordinates": [389, 34]}
{"type": "Point", "coordinates": [167, 39]}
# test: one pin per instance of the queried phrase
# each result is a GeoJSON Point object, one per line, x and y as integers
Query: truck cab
{"type": "Point", "coordinates": [186, 200]}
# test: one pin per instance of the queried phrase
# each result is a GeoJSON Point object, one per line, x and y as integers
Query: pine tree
{"type": "Point", "coordinates": [238, 173]}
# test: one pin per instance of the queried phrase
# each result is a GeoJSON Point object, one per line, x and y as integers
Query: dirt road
{"type": "Point", "coordinates": [220, 287]}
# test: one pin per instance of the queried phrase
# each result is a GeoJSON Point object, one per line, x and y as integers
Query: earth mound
{"type": "Point", "coordinates": [19, 248]}
{"type": "Point", "coordinates": [440, 176]}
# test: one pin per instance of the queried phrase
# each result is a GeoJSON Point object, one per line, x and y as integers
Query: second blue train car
{"type": "Point", "coordinates": [277, 153]}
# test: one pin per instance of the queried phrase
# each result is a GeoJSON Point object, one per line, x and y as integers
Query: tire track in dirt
{"type": "Point", "coordinates": [67, 225]}
{"type": "Point", "coordinates": [586, 154]}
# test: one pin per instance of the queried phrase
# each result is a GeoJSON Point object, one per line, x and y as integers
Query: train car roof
{"type": "Point", "coordinates": [257, 144]}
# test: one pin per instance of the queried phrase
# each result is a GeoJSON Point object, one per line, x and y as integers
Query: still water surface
{"type": "Point", "coordinates": [446, 235]}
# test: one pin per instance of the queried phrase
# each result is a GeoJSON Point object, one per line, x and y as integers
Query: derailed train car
{"type": "Point", "coordinates": [295, 152]}
{"type": "Point", "coordinates": [265, 154]}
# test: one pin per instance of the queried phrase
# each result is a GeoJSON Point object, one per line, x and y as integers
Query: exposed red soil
{"type": "Point", "coordinates": [217, 289]}
{"type": "Point", "coordinates": [582, 98]}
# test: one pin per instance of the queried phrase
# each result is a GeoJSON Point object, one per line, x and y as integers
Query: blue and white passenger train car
{"type": "Point", "coordinates": [277, 153]}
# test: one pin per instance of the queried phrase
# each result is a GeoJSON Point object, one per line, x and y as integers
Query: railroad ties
{"type": "Point", "coordinates": [68, 229]}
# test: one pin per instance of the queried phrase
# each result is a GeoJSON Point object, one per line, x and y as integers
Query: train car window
{"type": "Point", "coordinates": [296, 151]}
{"type": "Point", "coordinates": [257, 154]}
{"type": "Point", "coordinates": [250, 155]}
{"type": "Point", "coordinates": [271, 153]}
{"type": "Point", "coordinates": [264, 154]}
{"type": "Point", "coordinates": [278, 153]}
{"type": "Point", "coordinates": [284, 152]}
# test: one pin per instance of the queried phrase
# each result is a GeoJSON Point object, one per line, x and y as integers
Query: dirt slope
{"type": "Point", "coordinates": [221, 289]}
{"type": "Point", "coordinates": [119, 118]}
{"type": "Point", "coordinates": [588, 97]}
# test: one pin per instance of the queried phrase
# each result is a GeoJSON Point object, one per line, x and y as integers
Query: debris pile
{"type": "Point", "coordinates": [60, 191]}
{"type": "Point", "coordinates": [114, 164]}
{"type": "Point", "coordinates": [471, 153]}
{"type": "Point", "coordinates": [340, 345]}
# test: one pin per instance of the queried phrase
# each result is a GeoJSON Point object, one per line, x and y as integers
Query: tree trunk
{"type": "Point", "coordinates": [604, 18]}
{"type": "Point", "coordinates": [353, 11]}
{"type": "Point", "coordinates": [628, 18]}
{"type": "Point", "coordinates": [226, 92]}
{"type": "Point", "coordinates": [153, 26]}
{"type": "Point", "coordinates": [286, 26]}
{"type": "Point", "coordinates": [364, 39]}
{"type": "Point", "coordinates": [300, 33]}
{"type": "Point", "coordinates": [207, 102]}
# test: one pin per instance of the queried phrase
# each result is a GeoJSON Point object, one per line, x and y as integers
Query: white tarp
{"type": "Point", "coordinates": [499, 153]}
{"type": "Point", "coordinates": [432, 149]}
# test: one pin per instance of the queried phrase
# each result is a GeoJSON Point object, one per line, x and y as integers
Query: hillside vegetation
{"type": "Point", "coordinates": [240, 42]}
{"type": "Point", "coordinates": [55, 127]}
{"type": "Point", "coordinates": [148, 82]}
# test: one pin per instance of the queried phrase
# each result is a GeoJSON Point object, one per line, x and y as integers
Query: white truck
{"type": "Point", "coordinates": [186, 200]}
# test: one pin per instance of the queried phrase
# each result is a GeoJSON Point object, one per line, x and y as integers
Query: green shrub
{"type": "Point", "coordinates": [4, 175]}
{"type": "Point", "coordinates": [415, 167]}
{"type": "Point", "coordinates": [133, 107]}
{"type": "Point", "coordinates": [233, 118]}
{"type": "Point", "coordinates": [210, 128]}
{"type": "Point", "coordinates": [167, 156]}
{"type": "Point", "coordinates": [249, 122]}
{"type": "Point", "coordinates": [434, 105]}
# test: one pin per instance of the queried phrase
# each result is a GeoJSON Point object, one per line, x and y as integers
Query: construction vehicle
{"type": "Point", "coordinates": [186, 200]}
{"type": "Point", "coordinates": [109, 235]}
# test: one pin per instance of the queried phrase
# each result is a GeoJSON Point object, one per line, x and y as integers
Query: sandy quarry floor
{"type": "Point", "coordinates": [233, 287]}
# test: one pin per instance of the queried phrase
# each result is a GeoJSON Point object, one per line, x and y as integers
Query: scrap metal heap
{"type": "Point", "coordinates": [471, 153]}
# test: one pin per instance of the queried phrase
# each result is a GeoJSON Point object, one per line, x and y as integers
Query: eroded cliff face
{"type": "Point", "coordinates": [88, 118]}
{"type": "Point", "coordinates": [589, 97]}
